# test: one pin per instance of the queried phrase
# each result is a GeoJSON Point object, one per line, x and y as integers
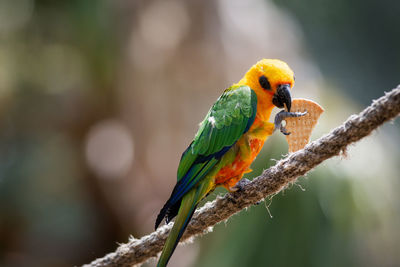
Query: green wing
{"type": "Point", "coordinates": [225, 123]}
{"type": "Point", "coordinates": [228, 119]}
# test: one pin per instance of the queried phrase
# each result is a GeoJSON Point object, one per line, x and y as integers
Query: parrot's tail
{"type": "Point", "coordinates": [185, 213]}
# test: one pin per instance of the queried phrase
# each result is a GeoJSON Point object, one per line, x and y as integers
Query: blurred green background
{"type": "Point", "coordinates": [98, 99]}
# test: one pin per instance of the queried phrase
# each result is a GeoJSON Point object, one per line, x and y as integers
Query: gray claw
{"type": "Point", "coordinates": [282, 116]}
{"type": "Point", "coordinates": [283, 130]}
{"type": "Point", "coordinates": [240, 184]}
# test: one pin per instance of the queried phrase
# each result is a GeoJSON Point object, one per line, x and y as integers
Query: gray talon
{"type": "Point", "coordinates": [283, 115]}
{"type": "Point", "coordinates": [283, 130]}
{"type": "Point", "coordinates": [241, 184]}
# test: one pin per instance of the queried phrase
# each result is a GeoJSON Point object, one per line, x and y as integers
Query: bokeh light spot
{"type": "Point", "coordinates": [109, 149]}
{"type": "Point", "coordinates": [164, 24]}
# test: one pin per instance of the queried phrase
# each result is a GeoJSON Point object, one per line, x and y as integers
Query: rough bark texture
{"type": "Point", "coordinates": [270, 182]}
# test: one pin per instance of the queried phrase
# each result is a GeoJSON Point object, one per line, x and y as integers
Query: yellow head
{"type": "Point", "coordinates": [271, 80]}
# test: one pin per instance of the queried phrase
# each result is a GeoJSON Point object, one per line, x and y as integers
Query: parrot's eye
{"type": "Point", "coordinates": [264, 83]}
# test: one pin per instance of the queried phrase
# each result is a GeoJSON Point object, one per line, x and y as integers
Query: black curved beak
{"type": "Point", "coordinates": [282, 97]}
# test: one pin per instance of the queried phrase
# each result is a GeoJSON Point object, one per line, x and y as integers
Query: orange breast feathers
{"type": "Point", "coordinates": [229, 175]}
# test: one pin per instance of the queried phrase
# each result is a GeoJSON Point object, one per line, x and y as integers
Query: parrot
{"type": "Point", "coordinates": [227, 142]}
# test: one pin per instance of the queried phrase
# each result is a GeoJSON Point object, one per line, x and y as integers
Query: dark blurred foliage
{"type": "Point", "coordinates": [355, 43]}
{"type": "Point", "coordinates": [99, 98]}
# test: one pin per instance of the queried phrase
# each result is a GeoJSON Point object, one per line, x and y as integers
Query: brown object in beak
{"type": "Point", "coordinates": [300, 128]}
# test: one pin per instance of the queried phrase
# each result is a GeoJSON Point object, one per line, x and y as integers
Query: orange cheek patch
{"type": "Point", "coordinates": [271, 93]}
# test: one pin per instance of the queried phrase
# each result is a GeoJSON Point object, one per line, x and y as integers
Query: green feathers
{"type": "Point", "coordinates": [227, 120]}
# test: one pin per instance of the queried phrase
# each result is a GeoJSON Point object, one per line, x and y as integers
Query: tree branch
{"type": "Point", "coordinates": [270, 182]}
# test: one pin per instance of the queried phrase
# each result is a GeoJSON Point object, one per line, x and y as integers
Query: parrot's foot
{"type": "Point", "coordinates": [283, 115]}
{"type": "Point", "coordinates": [239, 185]}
